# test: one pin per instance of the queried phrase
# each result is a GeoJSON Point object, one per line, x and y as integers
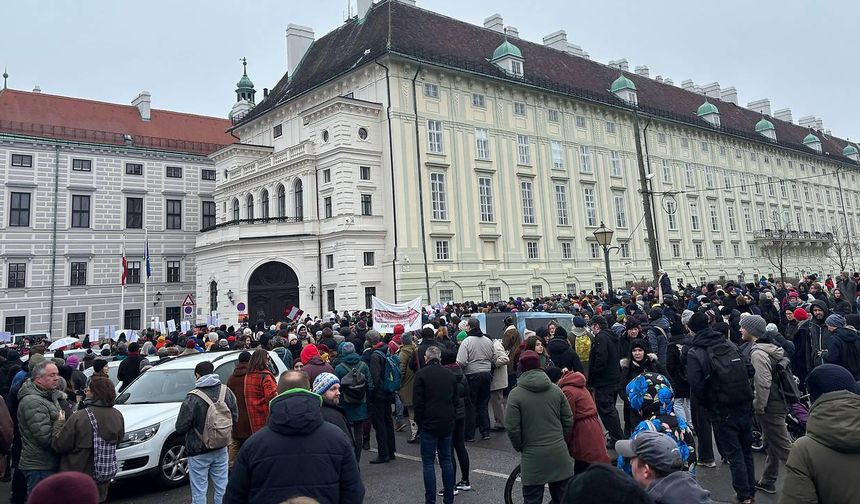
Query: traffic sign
{"type": "Point", "coordinates": [189, 301]}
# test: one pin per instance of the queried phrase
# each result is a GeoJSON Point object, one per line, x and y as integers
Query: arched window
{"type": "Point", "coordinates": [235, 209]}
{"type": "Point", "coordinates": [299, 201]}
{"type": "Point", "coordinates": [250, 205]}
{"type": "Point", "coordinates": [282, 201]}
{"type": "Point", "coordinates": [264, 204]}
{"type": "Point", "coordinates": [213, 296]}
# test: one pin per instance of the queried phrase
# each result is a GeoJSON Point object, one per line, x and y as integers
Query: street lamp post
{"type": "Point", "coordinates": [481, 286]}
{"type": "Point", "coordinates": [603, 235]}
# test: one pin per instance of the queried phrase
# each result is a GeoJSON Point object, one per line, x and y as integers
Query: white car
{"type": "Point", "coordinates": [150, 406]}
{"type": "Point", "coordinates": [113, 369]}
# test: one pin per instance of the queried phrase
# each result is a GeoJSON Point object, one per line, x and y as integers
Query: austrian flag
{"type": "Point", "coordinates": [293, 313]}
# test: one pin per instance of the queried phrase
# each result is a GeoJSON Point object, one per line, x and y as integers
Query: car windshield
{"type": "Point", "coordinates": [159, 386]}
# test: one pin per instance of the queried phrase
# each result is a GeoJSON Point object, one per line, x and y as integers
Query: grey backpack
{"type": "Point", "coordinates": [218, 427]}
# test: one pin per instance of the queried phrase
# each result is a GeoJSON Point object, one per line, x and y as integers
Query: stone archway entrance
{"type": "Point", "coordinates": [272, 287]}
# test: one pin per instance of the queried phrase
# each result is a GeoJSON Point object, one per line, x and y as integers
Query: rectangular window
{"type": "Point", "coordinates": [76, 324]}
{"type": "Point", "coordinates": [689, 175]}
{"type": "Point", "coordinates": [174, 172]}
{"type": "Point", "coordinates": [329, 297]}
{"type": "Point", "coordinates": [478, 100]}
{"type": "Point", "coordinates": [730, 214]}
{"type": "Point", "coordinates": [523, 153]}
{"type": "Point", "coordinates": [694, 215]}
{"type": "Point", "coordinates": [757, 186]}
{"type": "Point", "coordinates": [771, 191]}
{"type": "Point", "coordinates": [624, 250]}
{"type": "Point", "coordinates": [173, 313]}
{"type": "Point", "coordinates": [537, 291]}
{"type": "Point", "coordinates": [431, 90]}
{"type": "Point", "coordinates": [434, 136]}
{"type": "Point", "coordinates": [685, 143]}
{"type": "Point", "coordinates": [566, 250]}
{"type": "Point", "coordinates": [369, 294]}
{"type": "Point", "coordinates": [722, 150]}
{"type": "Point", "coordinates": [727, 181]}
{"type": "Point", "coordinates": [82, 165]}
{"type": "Point", "coordinates": [80, 211]}
{"type": "Point", "coordinates": [278, 130]}
{"type": "Point", "coordinates": [610, 127]}
{"type": "Point", "coordinates": [173, 214]}
{"type": "Point", "coordinates": [736, 250]}
{"type": "Point", "coordinates": [710, 178]}
{"type": "Point", "coordinates": [369, 258]}
{"type": "Point", "coordinates": [443, 250]}
{"type": "Point", "coordinates": [620, 211]}
{"type": "Point", "coordinates": [134, 213]}
{"type": "Point", "coordinates": [78, 274]}
{"type": "Point", "coordinates": [134, 169]}
{"type": "Point", "coordinates": [590, 204]}
{"type": "Point", "coordinates": [528, 202]}
{"type": "Point", "coordinates": [700, 250]}
{"type": "Point", "coordinates": [667, 171]}
{"type": "Point", "coordinates": [676, 250]}
{"type": "Point", "coordinates": [552, 115]}
{"type": "Point", "coordinates": [207, 174]}
{"type": "Point", "coordinates": [174, 271]}
{"type": "Point", "coordinates": [752, 250]}
{"type": "Point", "coordinates": [364, 173]}
{"type": "Point", "coordinates": [661, 138]}
{"type": "Point", "coordinates": [19, 209]}
{"type": "Point", "coordinates": [761, 220]}
{"type": "Point", "coordinates": [329, 261]}
{"type": "Point", "coordinates": [580, 121]}
{"type": "Point", "coordinates": [133, 272]}
{"type": "Point", "coordinates": [446, 296]}
{"type": "Point", "coordinates": [326, 176]}
{"type": "Point", "coordinates": [532, 249]}
{"type": "Point", "coordinates": [561, 205]}
{"type": "Point", "coordinates": [519, 108]}
{"type": "Point", "coordinates": [495, 294]}
{"type": "Point", "coordinates": [705, 147]}
{"type": "Point", "coordinates": [614, 164]}
{"type": "Point", "coordinates": [22, 160]}
{"type": "Point", "coordinates": [482, 144]}
{"type": "Point", "coordinates": [17, 275]}
{"type": "Point", "coordinates": [485, 193]}
{"type": "Point", "coordinates": [208, 212]}
{"type": "Point", "coordinates": [718, 250]}
{"type": "Point", "coordinates": [715, 217]}
{"type": "Point", "coordinates": [438, 196]}
{"type": "Point", "coordinates": [594, 250]}
{"type": "Point", "coordinates": [557, 154]}
{"type": "Point", "coordinates": [672, 214]}
{"type": "Point", "coordinates": [753, 156]}
{"type": "Point", "coordinates": [584, 159]}
{"type": "Point", "coordinates": [366, 204]}
{"type": "Point", "coordinates": [327, 207]}
{"type": "Point", "coordinates": [16, 325]}
{"type": "Point", "coordinates": [743, 183]}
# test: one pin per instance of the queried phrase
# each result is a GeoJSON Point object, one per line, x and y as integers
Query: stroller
{"type": "Point", "coordinates": [795, 422]}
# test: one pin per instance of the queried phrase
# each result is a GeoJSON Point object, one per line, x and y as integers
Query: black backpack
{"type": "Point", "coordinates": [728, 381]}
{"type": "Point", "coordinates": [784, 379]}
{"type": "Point", "coordinates": [353, 385]}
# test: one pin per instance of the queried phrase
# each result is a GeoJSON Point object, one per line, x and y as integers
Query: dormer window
{"type": "Point", "coordinates": [624, 89]}
{"type": "Point", "coordinates": [709, 113]}
{"type": "Point", "coordinates": [516, 68]}
{"type": "Point", "coordinates": [508, 58]}
{"type": "Point", "coordinates": [813, 142]}
{"type": "Point", "coordinates": [766, 129]}
{"type": "Point", "coordinates": [851, 153]}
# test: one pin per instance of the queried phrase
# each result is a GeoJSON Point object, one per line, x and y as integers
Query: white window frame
{"type": "Point", "coordinates": [532, 250]}
{"type": "Point", "coordinates": [615, 164]}
{"type": "Point", "coordinates": [730, 216]}
{"type": "Point", "coordinates": [580, 122]}
{"type": "Point", "coordinates": [566, 250]}
{"type": "Point", "coordinates": [714, 215]}
{"type": "Point", "coordinates": [695, 221]}
{"type": "Point", "coordinates": [485, 197]}
{"type": "Point", "coordinates": [443, 250]}
{"type": "Point", "coordinates": [562, 211]}
{"type": "Point", "coordinates": [589, 201]}
{"type": "Point", "coordinates": [585, 159]}
{"type": "Point", "coordinates": [611, 128]}
{"type": "Point", "coordinates": [478, 100]}
{"type": "Point", "coordinates": [527, 195]}
{"type": "Point", "coordinates": [557, 154]}
{"type": "Point", "coordinates": [672, 216]}
{"type": "Point", "coordinates": [435, 136]}
{"type": "Point", "coordinates": [618, 203]}
{"type": "Point", "coordinates": [690, 174]}
{"type": "Point", "coordinates": [520, 109]}
{"type": "Point", "coordinates": [552, 115]}
{"type": "Point", "coordinates": [438, 196]}
{"type": "Point", "coordinates": [431, 90]}
{"type": "Point", "coordinates": [523, 150]}
{"type": "Point", "coordinates": [667, 171]}
{"type": "Point", "coordinates": [482, 143]}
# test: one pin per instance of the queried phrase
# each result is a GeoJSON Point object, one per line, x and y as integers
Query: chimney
{"type": "Point", "coordinates": [585, 55]}
{"type": "Point", "coordinates": [299, 40]}
{"type": "Point", "coordinates": [363, 7]}
{"type": "Point", "coordinates": [807, 121]}
{"type": "Point", "coordinates": [730, 95]}
{"type": "Point", "coordinates": [783, 114]}
{"type": "Point", "coordinates": [576, 50]}
{"type": "Point", "coordinates": [688, 85]}
{"type": "Point", "coordinates": [265, 93]}
{"type": "Point", "coordinates": [495, 23]}
{"type": "Point", "coordinates": [556, 40]}
{"type": "Point", "coordinates": [712, 90]}
{"type": "Point", "coordinates": [512, 32]}
{"type": "Point", "coordinates": [37, 89]}
{"type": "Point", "coordinates": [659, 79]}
{"type": "Point", "coordinates": [410, 2]}
{"type": "Point", "coordinates": [623, 65]}
{"type": "Point", "coordinates": [142, 102]}
{"type": "Point", "coordinates": [668, 81]}
{"type": "Point", "coordinates": [760, 106]}
{"type": "Point", "coordinates": [642, 70]}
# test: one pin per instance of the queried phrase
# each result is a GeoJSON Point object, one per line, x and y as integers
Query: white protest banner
{"type": "Point", "coordinates": [5, 337]}
{"type": "Point", "coordinates": [387, 315]}
{"type": "Point", "coordinates": [185, 325]}
{"type": "Point", "coordinates": [171, 325]}
{"type": "Point", "coordinates": [110, 332]}
{"type": "Point", "coordinates": [94, 335]}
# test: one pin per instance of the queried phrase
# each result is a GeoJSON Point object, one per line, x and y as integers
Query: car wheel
{"type": "Point", "coordinates": [173, 464]}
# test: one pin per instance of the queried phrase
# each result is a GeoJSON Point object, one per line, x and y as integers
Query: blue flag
{"type": "Point", "coordinates": [146, 257]}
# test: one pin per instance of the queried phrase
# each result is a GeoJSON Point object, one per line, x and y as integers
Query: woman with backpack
{"type": "Point", "coordinates": [260, 388]}
{"type": "Point", "coordinates": [355, 385]}
{"type": "Point", "coordinates": [91, 433]}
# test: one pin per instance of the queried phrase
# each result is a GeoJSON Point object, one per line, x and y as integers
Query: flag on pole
{"type": "Point", "coordinates": [146, 257]}
{"type": "Point", "coordinates": [124, 265]}
{"type": "Point", "coordinates": [293, 313]}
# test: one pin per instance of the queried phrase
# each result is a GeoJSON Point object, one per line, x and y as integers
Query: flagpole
{"type": "Point", "coordinates": [121, 323]}
{"type": "Point", "coordinates": [145, 321]}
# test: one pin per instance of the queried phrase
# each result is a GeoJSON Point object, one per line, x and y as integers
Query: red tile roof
{"type": "Point", "coordinates": [62, 117]}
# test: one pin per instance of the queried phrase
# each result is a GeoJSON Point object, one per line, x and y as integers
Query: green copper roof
{"type": "Point", "coordinates": [849, 150]}
{"type": "Point", "coordinates": [707, 108]}
{"type": "Point", "coordinates": [621, 83]}
{"type": "Point", "coordinates": [506, 49]}
{"type": "Point", "coordinates": [810, 138]}
{"type": "Point", "coordinates": [763, 125]}
{"type": "Point", "coordinates": [245, 82]}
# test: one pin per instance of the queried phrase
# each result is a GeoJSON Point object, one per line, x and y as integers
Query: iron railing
{"type": "Point", "coordinates": [261, 220]}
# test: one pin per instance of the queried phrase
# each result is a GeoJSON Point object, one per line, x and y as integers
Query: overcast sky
{"type": "Point", "coordinates": [800, 54]}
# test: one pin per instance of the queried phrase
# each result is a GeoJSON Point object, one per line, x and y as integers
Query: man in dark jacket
{"type": "Point", "coordinates": [297, 436]}
{"type": "Point", "coordinates": [379, 401]}
{"type": "Point", "coordinates": [242, 427]}
{"type": "Point", "coordinates": [129, 369]}
{"type": "Point", "coordinates": [844, 346]}
{"type": "Point", "coordinates": [435, 396]}
{"type": "Point", "coordinates": [604, 372]}
{"type": "Point", "coordinates": [819, 336]}
{"type": "Point", "coordinates": [12, 359]}
{"type": "Point", "coordinates": [204, 462]}
{"type": "Point", "coordinates": [327, 386]}
{"type": "Point", "coordinates": [562, 354]}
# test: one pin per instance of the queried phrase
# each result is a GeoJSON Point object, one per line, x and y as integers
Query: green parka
{"type": "Point", "coordinates": [37, 411]}
{"type": "Point", "coordinates": [538, 416]}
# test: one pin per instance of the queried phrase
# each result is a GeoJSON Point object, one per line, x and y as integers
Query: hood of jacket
{"type": "Point", "coordinates": [846, 335]}
{"type": "Point", "coordinates": [662, 323]}
{"type": "Point", "coordinates": [705, 338]}
{"type": "Point", "coordinates": [350, 359]}
{"type": "Point", "coordinates": [821, 304]}
{"type": "Point", "coordinates": [679, 486]}
{"type": "Point", "coordinates": [534, 380]}
{"type": "Point", "coordinates": [833, 421]}
{"type": "Point", "coordinates": [241, 369]}
{"type": "Point", "coordinates": [574, 379]}
{"type": "Point", "coordinates": [775, 351]}
{"type": "Point", "coordinates": [209, 380]}
{"type": "Point", "coordinates": [295, 412]}
{"type": "Point", "coordinates": [578, 331]}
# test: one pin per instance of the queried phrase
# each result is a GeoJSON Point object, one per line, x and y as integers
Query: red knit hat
{"type": "Point", "coordinates": [800, 314]}
{"type": "Point", "coordinates": [398, 330]}
{"type": "Point", "coordinates": [308, 353]}
{"type": "Point", "coordinates": [60, 486]}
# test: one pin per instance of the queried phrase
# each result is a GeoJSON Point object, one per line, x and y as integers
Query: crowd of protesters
{"type": "Point", "coordinates": [694, 368]}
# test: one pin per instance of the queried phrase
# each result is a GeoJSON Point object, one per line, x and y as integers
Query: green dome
{"type": "Point", "coordinates": [707, 108]}
{"type": "Point", "coordinates": [245, 82]}
{"type": "Point", "coordinates": [506, 49]}
{"type": "Point", "coordinates": [763, 125]}
{"type": "Point", "coordinates": [849, 150]}
{"type": "Point", "coordinates": [621, 83]}
{"type": "Point", "coordinates": [810, 138]}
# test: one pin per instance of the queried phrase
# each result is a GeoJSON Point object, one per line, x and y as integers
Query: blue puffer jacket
{"type": "Point", "coordinates": [296, 436]}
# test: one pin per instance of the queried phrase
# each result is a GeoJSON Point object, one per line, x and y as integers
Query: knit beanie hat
{"type": "Point", "coordinates": [754, 324]}
{"type": "Point", "coordinates": [529, 360]}
{"type": "Point", "coordinates": [461, 336]}
{"type": "Point", "coordinates": [347, 348]}
{"type": "Point", "coordinates": [685, 316]}
{"type": "Point", "coordinates": [631, 323]}
{"type": "Point", "coordinates": [800, 314]}
{"type": "Point", "coordinates": [308, 353]}
{"type": "Point", "coordinates": [771, 330]}
{"type": "Point", "coordinates": [190, 343]}
{"type": "Point", "coordinates": [655, 314]}
{"type": "Point", "coordinates": [60, 486]}
{"type": "Point", "coordinates": [829, 378]}
{"type": "Point", "coordinates": [73, 361]}
{"type": "Point", "coordinates": [638, 343]}
{"type": "Point", "coordinates": [602, 483]}
{"type": "Point", "coordinates": [98, 365]}
{"type": "Point", "coordinates": [698, 321]}
{"type": "Point", "coordinates": [578, 321]}
{"type": "Point", "coordinates": [835, 320]}
{"type": "Point", "coordinates": [323, 382]}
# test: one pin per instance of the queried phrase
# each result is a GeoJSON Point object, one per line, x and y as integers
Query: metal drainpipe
{"type": "Point", "coordinates": [420, 183]}
{"type": "Point", "coordinates": [319, 241]}
{"type": "Point", "coordinates": [391, 162]}
{"type": "Point", "coordinates": [54, 238]}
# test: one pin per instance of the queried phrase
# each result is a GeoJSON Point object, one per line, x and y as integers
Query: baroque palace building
{"type": "Point", "coordinates": [409, 154]}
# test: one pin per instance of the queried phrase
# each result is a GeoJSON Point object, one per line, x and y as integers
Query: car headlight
{"type": "Point", "coordinates": [138, 436]}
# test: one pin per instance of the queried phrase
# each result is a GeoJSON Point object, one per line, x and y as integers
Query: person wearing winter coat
{"type": "Point", "coordinates": [819, 336]}
{"type": "Point", "coordinates": [129, 369]}
{"type": "Point", "coordinates": [449, 361]}
{"type": "Point", "coordinates": [260, 388]}
{"type": "Point", "coordinates": [327, 386]}
{"type": "Point", "coordinates": [511, 342]}
{"type": "Point", "coordinates": [407, 376]}
{"type": "Point", "coordinates": [800, 338]}
{"type": "Point", "coordinates": [840, 304]}
{"type": "Point", "coordinates": [379, 401]}
{"type": "Point", "coordinates": [633, 365]}
{"type": "Point", "coordinates": [242, 427]}
{"type": "Point", "coordinates": [677, 375]}
{"type": "Point", "coordinates": [73, 437]}
{"type": "Point", "coordinates": [585, 442]}
{"type": "Point", "coordinates": [38, 409]}
{"type": "Point", "coordinates": [822, 465]}
{"type": "Point", "coordinates": [844, 346]}
{"type": "Point", "coordinates": [499, 384]}
{"type": "Point", "coordinates": [581, 332]}
{"type": "Point", "coordinates": [13, 359]}
{"type": "Point", "coordinates": [7, 433]}
{"type": "Point", "coordinates": [562, 354]}
{"type": "Point", "coordinates": [356, 413]}
{"type": "Point", "coordinates": [768, 404]}
{"type": "Point", "coordinates": [658, 334]}
{"type": "Point", "coordinates": [476, 355]}
{"type": "Point", "coordinates": [537, 420]}
{"type": "Point", "coordinates": [604, 374]}
{"type": "Point", "coordinates": [313, 363]}
{"type": "Point", "coordinates": [296, 436]}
